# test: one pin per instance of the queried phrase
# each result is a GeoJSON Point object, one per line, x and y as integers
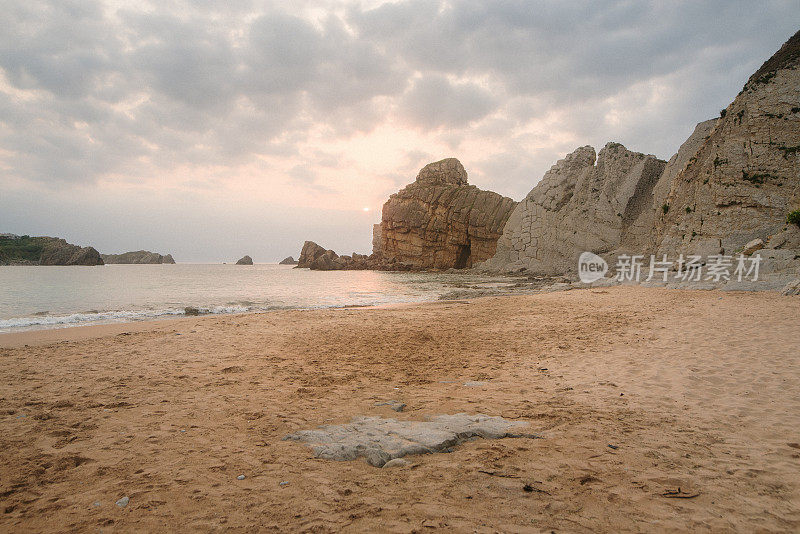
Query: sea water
{"type": "Point", "coordinates": [55, 297]}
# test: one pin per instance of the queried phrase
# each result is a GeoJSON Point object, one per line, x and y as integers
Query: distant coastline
{"type": "Point", "coordinates": [45, 250]}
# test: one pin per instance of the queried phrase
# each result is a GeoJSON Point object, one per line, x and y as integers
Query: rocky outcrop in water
{"type": "Point", "coordinates": [317, 258]}
{"type": "Point", "coordinates": [245, 260]}
{"type": "Point", "coordinates": [440, 221]}
{"type": "Point", "coordinates": [288, 261]}
{"type": "Point", "coordinates": [732, 182]}
{"type": "Point", "coordinates": [137, 257]}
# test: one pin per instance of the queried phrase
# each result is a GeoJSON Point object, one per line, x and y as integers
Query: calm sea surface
{"type": "Point", "coordinates": [57, 297]}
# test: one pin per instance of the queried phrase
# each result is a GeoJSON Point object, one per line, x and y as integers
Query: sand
{"type": "Point", "coordinates": [637, 392]}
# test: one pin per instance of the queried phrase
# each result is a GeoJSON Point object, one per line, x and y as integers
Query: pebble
{"type": "Point", "coordinates": [123, 502]}
{"type": "Point", "coordinates": [96, 504]}
{"type": "Point", "coordinates": [475, 383]}
{"type": "Point", "coordinates": [284, 483]}
{"type": "Point", "coordinates": [240, 477]}
{"type": "Point", "coordinates": [394, 405]}
{"type": "Point", "coordinates": [397, 462]}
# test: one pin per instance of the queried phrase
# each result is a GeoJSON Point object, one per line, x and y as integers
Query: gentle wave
{"type": "Point", "coordinates": [123, 316]}
{"type": "Point", "coordinates": [43, 320]}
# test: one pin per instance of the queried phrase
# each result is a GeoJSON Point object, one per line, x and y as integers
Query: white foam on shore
{"type": "Point", "coordinates": [42, 321]}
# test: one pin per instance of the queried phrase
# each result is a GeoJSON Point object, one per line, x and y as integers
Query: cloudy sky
{"type": "Point", "coordinates": [216, 129]}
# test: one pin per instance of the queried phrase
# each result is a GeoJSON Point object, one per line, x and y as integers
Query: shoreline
{"type": "Point", "coordinates": [76, 332]}
{"type": "Point", "coordinates": [46, 336]}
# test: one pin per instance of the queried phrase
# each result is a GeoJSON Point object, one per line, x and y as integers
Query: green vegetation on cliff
{"type": "Point", "coordinates": [22, 249]}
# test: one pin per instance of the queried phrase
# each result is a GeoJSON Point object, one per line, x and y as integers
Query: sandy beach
{"type": "Point", "coordinates": [637, 393]}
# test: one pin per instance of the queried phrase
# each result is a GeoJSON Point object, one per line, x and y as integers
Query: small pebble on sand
{"type": "Point", "coordinates": [240, 477]}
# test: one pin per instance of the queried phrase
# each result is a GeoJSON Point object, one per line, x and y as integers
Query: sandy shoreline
{"type": "Point", "coordinates": [697, 390]}
{"type": "Point", "coordinates": [45, 336]}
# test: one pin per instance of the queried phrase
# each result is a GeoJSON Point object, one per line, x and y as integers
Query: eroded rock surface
{"type": "Point", "coordinates": [745, 178]}
{"type": "Point", "coordinates": [380, 440]}
{"type": "Point", "coordinates": [245, 260]}
{"type": "Point", "coordinates": [59, 252]}
{"type": "Point", "coordinates": [440, 221]}
{"type": "Point", "coordinates": [733, 182]}
{"type": "Point", "coordinates": [583, 203]}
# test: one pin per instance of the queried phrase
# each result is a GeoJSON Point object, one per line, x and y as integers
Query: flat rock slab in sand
{"type": "Point", "coordinates": [380, 440]}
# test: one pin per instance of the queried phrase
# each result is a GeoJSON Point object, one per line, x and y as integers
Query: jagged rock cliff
{"type": "Point", "coordinates": [317, 258]}
{"type": "Point", "coordinates": [59, 252]}
{"type": "Point", "coordinates": [745, 178]}
{"type": "Point", "coordinates": [26, 250]}
{"type": "Point", "coordinates": [440, 221]}
{"type": "Point", "coordinates": [245, 260]}
{"type": "Point", "coordinates": [137, 257]}
{"type": "Point", "coordinates": [734, 180]}
{"type": "Point", "coordinates": [581, 206]}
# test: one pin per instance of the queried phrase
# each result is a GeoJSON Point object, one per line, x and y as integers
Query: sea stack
{"type": "Point", "coordinates": [440, 221]}
{"type": "Point", "coordinates": [246, 260]}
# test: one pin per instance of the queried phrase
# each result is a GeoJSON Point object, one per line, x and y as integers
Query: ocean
{"type": "Point", "coordinates": [57, 297]}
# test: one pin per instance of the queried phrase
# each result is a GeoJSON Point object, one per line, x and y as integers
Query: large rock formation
{"type": "Point", "coordinates": [733, 181]}
{"type": "Point", "coordinates": [245, 260]}
{"type": "Point", "coordinates": [59, 252]}
{"type": "Point", "coordinates": [137, 257]}
{"type": "Point", "coordinates": [288, 261]}
{"type": "Point", "coordinates": [745, 178]}
{"type": "Point", "coordinates": [440, 221]}
{"type": "Point", "coordinates": [309, 254]}
{"type": "Point", "coordinates": [581, 206]}
{"type": "Point", "coordinates": [26, 250]}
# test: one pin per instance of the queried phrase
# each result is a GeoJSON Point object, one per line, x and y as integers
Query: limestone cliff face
{"type": "Point", "coordinates": [578, 206]}
{"type": "Point", "coordinates": [745, 177]}
{"type": "Point", "coordinates": [733, 181]}
{"type": "Point", "coordinates": [138, 257]}
{"type": "Point", "coordinates": [440, 221]}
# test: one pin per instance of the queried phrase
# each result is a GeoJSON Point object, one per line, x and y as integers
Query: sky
{"type": "Point", "coordinates": [211, 130]}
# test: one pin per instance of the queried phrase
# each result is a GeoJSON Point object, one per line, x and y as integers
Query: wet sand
{"type": "Point", "coordinates": [637, 392]}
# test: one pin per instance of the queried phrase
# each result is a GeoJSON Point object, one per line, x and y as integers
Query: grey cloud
{"type": "Point", "coordinates": [433, 102]}
{"type": "Point", "coordinates": [192, 83]}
